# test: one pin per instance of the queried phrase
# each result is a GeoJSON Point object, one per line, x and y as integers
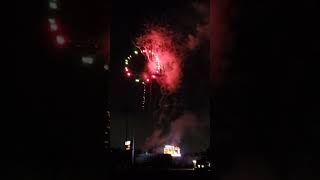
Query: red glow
{"type": "Point", "coordinates": [153, 76]}
{"type": "Point", "coordinates": [167, 56]}
{"type": "Point", "coordinates": [128, 74]}
{"type": "Point", "coordinates": [126, 68]}
{"type": "Point", "coordinates": [148, 80]}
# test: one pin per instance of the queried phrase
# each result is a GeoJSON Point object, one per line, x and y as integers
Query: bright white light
{"type": "Point", "coordinates": [202, 166]}
{"type": "Point", "coordinates": [127, 143]}
{"type": "Point", "coordinates": [174, 151]}
{"type": "Point", "coordinates": [136, 52]}
{"type": "Point", "coordinates": [198, 165]}
{"type": "Point", "coordinates": [194, 161]}
{"type": "Point", "coordinates": [87, 59]}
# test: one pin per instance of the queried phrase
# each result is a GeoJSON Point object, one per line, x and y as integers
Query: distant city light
{"type": "Point", "coordinates": [194, 161]}
{"type": "Point", "coordinates": [53, 27]}
{"type": "Point", "coordinates": [127, 145]}
{"type": "Point", "coordinates": [87, 59]}
{"type": "Point", "coordinates": [136, 52]}
{"type": "Point", "coordinates": [153, 76]}
{"type": "Point", "coordinates": [148, 80]}
{"type": "Point", "coordinates": [53, 5]}
{"type": "Point", "coordinates": [137, 80]}
{"type": "Point", "coordinates": [174, 151]}
{"type": "Point", "coordinates": [128, 74]}
{"type": "Point", "coordinates": [60, 39]}
{"type": "Point", "coordinates": [126, 68]}
{"type": "Point", "coordinates": [52, 20]}
{"type": "Point", "coordinates": [106, 67]}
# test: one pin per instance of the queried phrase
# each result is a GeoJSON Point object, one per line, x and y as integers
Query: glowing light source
{"type": "Point", "coordinates": [174, 151]}
{"type": "Point", "coordinates": [136, 52]}
{"type": "Point", "coordinates": [53, 27]}
{"type": "Point", "coordinates": [52, 20]}
{"type": "Point", "coordinates": [137, 80]}
{"type": "Point", "coordinates": [153, 76]}
{"type": "Point", "coordinates": [87, 59]}
{"type": "Point", "coordinates": [60, 39]}
{"type": "Point", "coordinates": [126, 68]}
{"type": "Point", "coordinates": [53, 5]}
{"type": "Point", "coordinates": [148, 80]}
{"type": "Point", "coordinates": [106, 67]}
{"type": "Point", "coordinates": [128, 74]}
{"type": "Point", "coordinates": [127, 145]}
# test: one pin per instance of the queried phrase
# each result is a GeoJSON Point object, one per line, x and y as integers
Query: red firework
{"type": "Point", "coordinates": [163, 60]}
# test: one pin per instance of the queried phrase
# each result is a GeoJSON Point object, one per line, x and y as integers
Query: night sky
{"type": "Point", "coordinates": [264, 112]}
{"type": "Point", "coordinates": [126, 96]}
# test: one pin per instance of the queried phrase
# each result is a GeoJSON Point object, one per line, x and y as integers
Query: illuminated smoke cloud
{"type": "Point", "coordinates": [177, 130]}
{"type": "Point", "coordinates": [161, 41]}
{"type": "Point", "coordinates": [172, 50]}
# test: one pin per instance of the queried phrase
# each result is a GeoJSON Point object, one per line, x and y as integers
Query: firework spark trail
{"type": "Point", "coordinates": [144, 96]}
{"type": "Point", "coordinates": [169, 51]}
{"type": "Point", "coordinates": [162, 54]}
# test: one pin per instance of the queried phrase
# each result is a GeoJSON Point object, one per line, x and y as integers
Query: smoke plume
{"type": "Point", "coordinates": [163, 43]}
{"type": "Point", "coordinates": [173, 48]}
{"type": "Point", "coordinates": [177, 129]}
